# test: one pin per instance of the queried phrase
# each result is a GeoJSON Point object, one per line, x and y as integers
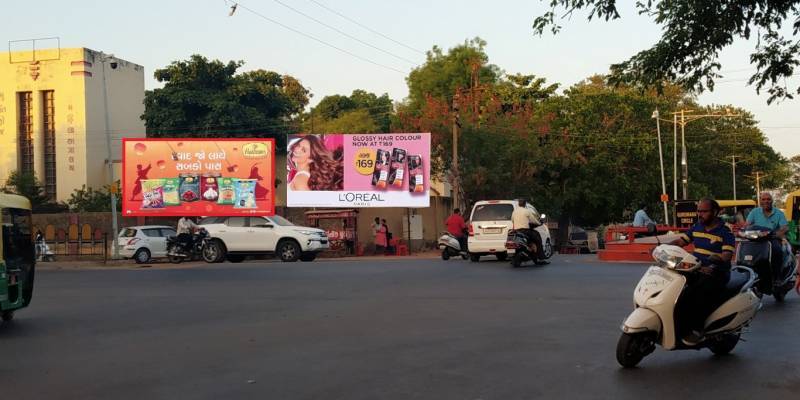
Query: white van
{"type": "Point", "coordinates": [489, 224]}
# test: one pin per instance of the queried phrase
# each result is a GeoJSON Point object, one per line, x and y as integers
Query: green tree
{"type": "Point", "coordinates": [29, 186]}
{"type": "Point", "coordinates": [209, 99]}
{"type": "Point", "coordinates": [694, 33]}
{"type": "Point", "coordinates": [338, 113]}
{"type": "Point", "coordinates": [793, 183]}
{"type": "Point", "coordinates": [464, 66]}
{"type": "Point", "coordinates": [90, 200]}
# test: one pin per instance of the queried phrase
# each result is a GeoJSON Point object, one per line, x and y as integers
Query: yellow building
{"type": "Point", "coordinates": [53, 115]}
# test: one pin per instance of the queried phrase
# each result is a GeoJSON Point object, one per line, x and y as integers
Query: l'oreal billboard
{"type": "Point", "coordinates": [358, 170]}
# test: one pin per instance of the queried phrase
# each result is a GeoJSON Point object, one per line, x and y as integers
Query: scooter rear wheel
{"type": "Point", "coordinates": [445, 255]}
{"type": "Point", "coordinates": [516, 262]}
{"type": "Point", "coordinates": [724, 344]}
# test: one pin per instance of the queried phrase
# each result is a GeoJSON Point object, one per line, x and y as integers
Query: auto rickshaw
{"type": "Point", "coordinates": [792, 211]}
{"type": "Point", "coordinates": [18, 262]}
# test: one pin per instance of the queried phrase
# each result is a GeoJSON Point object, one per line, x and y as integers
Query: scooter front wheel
{"type": "Point", "coordinates": [632, 347]}
{"type": "Point", "coordinates": [445, 255]}
{"type": "Point", "coordinates": [724, 344]}
{"type": "Point", "coordinates": [175, 259]}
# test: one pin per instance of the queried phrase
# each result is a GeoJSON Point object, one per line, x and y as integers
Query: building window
{"type": "Point", "coordinates": [48, 114]}
{"type": "Point", "coordinates": [25, 135]}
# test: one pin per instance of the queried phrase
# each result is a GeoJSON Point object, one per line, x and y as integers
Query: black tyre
{"type": "Point", "coordinates": [464, 256]}
{"type": "Point", "coordinates": [631, 348]}
{"type": "Point", "coordinates": [501, 256]}
{"type": "Point", "coordinates": [308, 257]}
{"type": "Point", "coordinates": [142, 256]}
{"type": "Point", "coordinates": [723, 344]}
{"type": "Point", "coordinates": [548, 249]}
{"type": "Point", "coordinates": [445, 255]}
{"type": "Point", "coordinates": [474, 257]}
{"type": "Point", "coordinates": [516, 262]}
{"type": "Point", "coordinates": [7, 316]}
{"type": "Point", "coordinates": [235, 258]}
{"type": "Point", "coordinates": [780, 295]}
{"type": "Point", "coordinates": [213, 252]}
{"type": "Point", "coordinates": [288, 251]}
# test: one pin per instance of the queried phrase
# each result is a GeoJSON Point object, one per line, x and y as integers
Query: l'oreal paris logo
{"type": "Point", "coordinates": [351, 197]}
{"type": "Point", "coordinates": [255, 150]}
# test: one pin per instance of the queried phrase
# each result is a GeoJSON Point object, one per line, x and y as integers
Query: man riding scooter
{"type": "Point", "coordinates": [524, 220]}
{"type": "Point", "coordinates": [775, 220]}
{"type": "Point", "coordinates": [456, 227]}
{"type": "Point", "coordinates": [186, 228]}
{"type": "Point", "coordinates": [713, 246]}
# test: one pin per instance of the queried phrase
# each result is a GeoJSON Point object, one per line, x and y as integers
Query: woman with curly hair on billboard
{"type": "Point", "coordinates": [313, 166]}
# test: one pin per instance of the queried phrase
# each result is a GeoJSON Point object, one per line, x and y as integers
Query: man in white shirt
{"type": "Point", "coordinates": [185, 229]}
{"type": "Point", "coordinates": [523, 218]}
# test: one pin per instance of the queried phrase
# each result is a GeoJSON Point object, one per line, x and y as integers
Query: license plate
{"type": "Point", "coordinates": [492, 230]}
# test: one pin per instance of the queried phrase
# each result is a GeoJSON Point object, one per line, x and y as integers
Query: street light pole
{"type": "Point", "coordinates": [674, 157]}
{"type": "Point", "coordinates": [456, 176]}
{"type": "Point", "coordinates": [110, 162]}
{"type": "Point", "coordinates": [661, 163]}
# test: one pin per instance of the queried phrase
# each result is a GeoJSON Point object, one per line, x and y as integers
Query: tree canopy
{"type": "Point", "coordinates": [694, 33]}
{"type": "Point", "coordinates": [203, 98]}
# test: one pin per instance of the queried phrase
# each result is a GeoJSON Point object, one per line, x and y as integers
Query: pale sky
{"type": "Point", "coordinates": [154, 33]}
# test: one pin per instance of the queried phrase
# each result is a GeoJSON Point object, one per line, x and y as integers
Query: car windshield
{"type": "Point", "coordinates": [492, 212]}
{"type": "Point", "coordinates": [278, 220]}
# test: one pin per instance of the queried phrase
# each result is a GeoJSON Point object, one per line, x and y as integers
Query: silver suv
{"type": "Point", "coordinates": [234, 238]}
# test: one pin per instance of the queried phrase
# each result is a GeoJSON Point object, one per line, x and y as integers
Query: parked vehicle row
{"type": "Point", "coordinates": [225, 238]}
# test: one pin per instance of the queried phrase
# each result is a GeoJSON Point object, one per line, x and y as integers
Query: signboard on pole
{"type": "Point", "coordinates": [198, 177]}
{"type": "Point", "coordinates": [359, 170]}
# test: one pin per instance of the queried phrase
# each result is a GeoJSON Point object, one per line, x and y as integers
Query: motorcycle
{"type": "Point", "coordinates": [523, 251]}
{"type": "Point", "coordinates": [451, 247]}
{"type": "Point", "coordinates": [177, 250]}
{"type": "Point", "coordinates": [755, 252]}
{"type": "Point", "coordinates": [653, 322]}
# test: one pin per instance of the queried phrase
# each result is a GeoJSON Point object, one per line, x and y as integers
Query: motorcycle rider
{"type": "Point", "coordinates": [713, 246]}
{"type": "Point", "coordinates": [775, 220]}
{"type": "Point", "coordinates": [456, 227]}
{"type": "Point", "coordinates": [523, 218]}
{"type": "Point", "coordinates": [186, 228]}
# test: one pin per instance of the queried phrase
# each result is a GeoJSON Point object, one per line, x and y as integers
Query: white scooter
{"type": "Point", "coordinates": [652, 321]}
{"type": "Point", "coordinates": [451, 247]}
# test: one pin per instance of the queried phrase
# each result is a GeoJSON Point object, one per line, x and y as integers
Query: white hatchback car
{"type": "Point", "coordinates": [489, 224]}
{"type": "Point", "coordinates": [142, 243]}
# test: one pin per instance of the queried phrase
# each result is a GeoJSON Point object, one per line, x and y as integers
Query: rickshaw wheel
{"type": "Point", "coordinates": [7, 316]}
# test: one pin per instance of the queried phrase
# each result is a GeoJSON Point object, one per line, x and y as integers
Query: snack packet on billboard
{"type": "Point", "coordinates": [245, 193]}
{"type": "Point", "coordinates": [397, 167]}
{"type": "Point", "coordinates": [227, 192]}
{"type": "Point", "coordinates": [209, 187]}
{"type": "Point", "coordinates": [170, 188]}
{"type": "Point", "coordinates": [190, 187]}
{"type": "Point", "coordinates": [415, 174]}
{"type": "Point", "coordinates": [381, 173]}
{"type": "Point", "coordinates": [152, 193]}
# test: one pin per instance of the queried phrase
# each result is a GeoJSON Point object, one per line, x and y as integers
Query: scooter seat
{"type": "Point", "coordinates": [736, 282]}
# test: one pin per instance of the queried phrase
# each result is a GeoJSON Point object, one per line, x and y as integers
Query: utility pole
{"type": "Point", "coordinates": [758, 175]}
{"type": "Point", "coordinates": [110, 162]}
{"type": "Point", "coordinates": [456, 176]}
{"type": "Point", "coordinates": [661, 162]}
{"type": "Point", "coordinates": [733, 163]}
{"type": "Point", "coordinates": [684, 120]}
{"type": "Point", "coordinates": [674, 157]}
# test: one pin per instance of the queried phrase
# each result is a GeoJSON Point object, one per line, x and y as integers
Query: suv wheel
{"type": "Point", "coordinates": [288, 251]}
{"type": "Point", "coordinates": [213, 252]}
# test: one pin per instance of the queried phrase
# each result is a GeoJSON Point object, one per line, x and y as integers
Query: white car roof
{"type": "Point", "coordinates": [149, 227]}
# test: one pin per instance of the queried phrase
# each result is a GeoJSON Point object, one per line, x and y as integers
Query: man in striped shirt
{"type": "Point", "coordinates": [713, 246]}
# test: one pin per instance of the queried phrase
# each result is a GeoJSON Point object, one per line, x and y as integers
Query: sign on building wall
{"type": "Point", "coordinates": [359, 170]}
{"type": "Point", "coordinates": [198, 177]}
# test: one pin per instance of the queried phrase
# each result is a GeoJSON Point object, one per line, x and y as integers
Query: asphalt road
{"type": "Point", "coordinates": [379, 329]}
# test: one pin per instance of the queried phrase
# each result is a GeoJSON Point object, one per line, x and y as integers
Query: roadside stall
{"type": "Point", "coordinates": [340, 226]}
{"type": "Point", "coordinates": [792, 211]}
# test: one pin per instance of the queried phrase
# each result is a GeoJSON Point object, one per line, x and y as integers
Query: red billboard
{"type": "Point", "coordinates": [198, 177]}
